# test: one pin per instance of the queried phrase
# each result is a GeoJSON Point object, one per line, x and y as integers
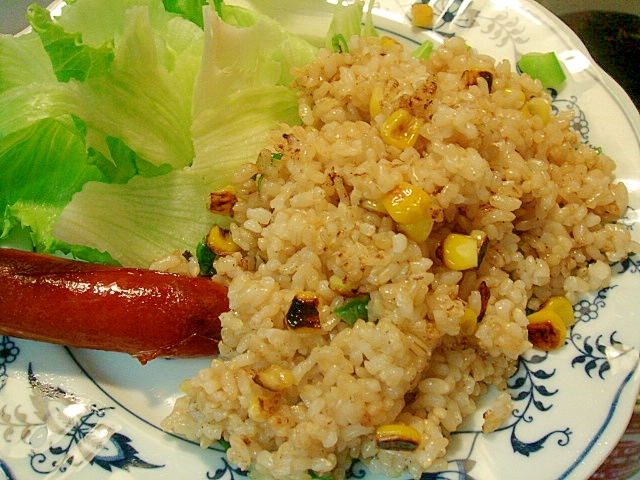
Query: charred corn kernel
{"type": "Point", "coordinates": [546, 330]}
{"type": "Point", "coordinates": [562, 306]}
{"type": "Point", "coordinates": [483, 243]}
{"type": "Point", "coordinates": [275, 378]}
{"type": "Point", "coordinates": [222, 201]}
{"type": "Point", "coordinates": [303, 314]}
{"type": "Point", "coordinates": [375, 101]}
{"type": "Point", "coordinates": [417, 231]}
{"type": "Point", "coordinates": [401, 129]}
{"type": "Point", "coordinates": [257, 410]}
{"type": "Point", "coordinates": [220, 242]}
{"type": "Point", "coordinates": [537, 106]}
{"type": "Point", "coordinates": [407, 203]}
{"type": "Point", "coordinates": [460, 252]}
{"type": "Point", "coordinates": [468, 321]}
{"type": "Point", "coordinates": [421, 15]}
{"type": "Point", "coordinates": [397, 437]}
{"type": "Point", "coordinates": [471, 77]}
{"type": "Point", "coordinates": [342, 286]}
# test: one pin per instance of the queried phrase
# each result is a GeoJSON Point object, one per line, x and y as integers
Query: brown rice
{"type": "Point", "coordinates": [309, 221]}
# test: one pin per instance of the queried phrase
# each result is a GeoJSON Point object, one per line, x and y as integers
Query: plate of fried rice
{"type": "Point", "coordinates": [360, 343]}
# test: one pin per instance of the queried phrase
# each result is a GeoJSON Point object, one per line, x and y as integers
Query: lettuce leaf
{"type": "Point", "coordinates": [242, 92]}
{"type": "Point", "coordinates": [239, 97]}
{"type": "Point", "coordinates": [347, 21]}
{"type": "Point", "coordinates": [70, 56]}
{"type": "Point", "coordinates": [140, 221]}
{"type": "Point", "coordinates": [23, 61]}
{"type": "Point", "coordinates": [41, 167]}
{"type": "Point", "coordinates": [147, 115]}
{"type": "Point", "coordinates": [189, 9]}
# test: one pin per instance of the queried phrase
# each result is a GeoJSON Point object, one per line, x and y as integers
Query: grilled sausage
{"type": "Point", "coordinates": [144, 313]}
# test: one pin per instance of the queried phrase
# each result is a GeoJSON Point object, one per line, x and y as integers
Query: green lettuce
{"type": "Point", "coordinates": [121, 116]}
{"type": "Point", "coordinates": [241, 93]}
{"type": "Point", "coordinates": [44, 161]}
{"type": "Point", "coordinates": [347, 21]}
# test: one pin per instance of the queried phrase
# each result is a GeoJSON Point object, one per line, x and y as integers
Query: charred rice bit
{"type": "Point", "coordinates": [309, 219]}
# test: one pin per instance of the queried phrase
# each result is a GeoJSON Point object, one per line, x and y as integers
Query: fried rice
{"type": "Point", "coordinates": [308, 220]}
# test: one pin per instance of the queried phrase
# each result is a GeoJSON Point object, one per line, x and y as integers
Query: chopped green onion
{"type": "Point", "coordinates": [339, 44]}
{"type": "Point", "coordinates": [354, 309]}
{"type": "Point", "coordinates": [544, 67]}
{"type": "Point", "coordinates": [205, 259]}
{"type": "Point", "coordinates": [315, 476]}
{"type": "Point", "coordinates": [424, 50]}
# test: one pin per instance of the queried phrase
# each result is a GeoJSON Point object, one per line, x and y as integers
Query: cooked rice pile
{"type": "Point", "coordinates": [310, 222]}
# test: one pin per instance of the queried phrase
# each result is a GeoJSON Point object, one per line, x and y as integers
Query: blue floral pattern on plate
{"type": "Point", "coordinates": [88, 415]}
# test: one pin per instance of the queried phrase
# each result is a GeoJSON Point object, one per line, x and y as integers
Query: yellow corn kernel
{"type": "Point", "coordinates": [262, 407]}
{"type": "Point", "coordinates": [375, 101]}
{"type": "Point", "coordinates": [255, 410]}
{"type": "Point", "coordinates": [537, 106]}
{"type": "Point", "coordinates": [518, 93]}
{"type": "Point", "coordinates": [460, 252]}
{"type": "Point", "coordinates": [342, 287]}
{"type": "Point", "coordinates": [421, 15]}
{"type": "Point", "coordinates": [407, 203]}
{"type": "Point", "coordinates": [275, 378]}
{"type": "Point", "coordinates": [546, 330]}
{"type": "Point", "coordinates": [397, 437]}
{"type": "Point", "coordinates": [387, 41]}
{"type": "Point", "coordinates": [468, 321]}
{"type": "Point", "coordinates": [401, 129]}
{"type": "Point", "coordinates": [220, 242]}
{"type": "Point", "coordinates": [418, 231]}
{"type": "Point", "coordinates": [562, 306]}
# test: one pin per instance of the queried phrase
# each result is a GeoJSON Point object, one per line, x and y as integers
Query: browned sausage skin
{"type": "Point", "coordinates": [144, 313]}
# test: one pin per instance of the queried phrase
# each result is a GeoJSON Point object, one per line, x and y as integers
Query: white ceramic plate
{"type": "Point", "coordinates": [94, 415]}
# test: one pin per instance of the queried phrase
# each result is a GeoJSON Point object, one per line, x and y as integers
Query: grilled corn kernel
{"type": "Point", "coordinates": [275, 378]}
{"type": "Point", "coordinates": [468, 321]}
{"type": "Point", "coordinates": [483, 243]}
{"type": "Point", "coordinates": [407, 203]}
{"type": "Point", "coordinates": [537, 106]}
{"type": "Point", "coordinates": [303, 314]}
{"type": "Point", "coordinates": [401, 129]}
{"type": "Point", "coordinates": [546, 330]}
{"type": "Point", "coordinates": [471, 77]}
{"type": "Point", "coordinates": [397, 437]}
{"type": "Point", "coordinates": [421, 15]}
{"type": "Point", "coordinates": [417, 231]}
{"type": "Point", "coordinates": [222, 201]}
{"type": "Point", "coordinates": [562, 306]}
{"type": "Point", "coordinates": [460, 252]}
{"type": "Point", "coordinates": [342, 287]}
{"type": "Point", "coordinates": [262, 407]}
{"type": "Point", "coordinates": [220, 242]}
{"type": "Point", "coordinates": [375, 101]}
{"type": "Point", "coordinates": [256, 411]}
